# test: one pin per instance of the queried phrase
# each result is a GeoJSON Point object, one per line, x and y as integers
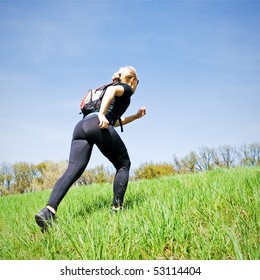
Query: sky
{"type": "Point", "coordinates": [198, 63]}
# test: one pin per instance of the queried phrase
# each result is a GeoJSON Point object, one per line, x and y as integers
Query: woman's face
{"type": "Point", "coordinates": [135, 82]}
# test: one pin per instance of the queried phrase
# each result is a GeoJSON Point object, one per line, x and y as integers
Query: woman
{"type": "Point", "coordinates": [98, 128]}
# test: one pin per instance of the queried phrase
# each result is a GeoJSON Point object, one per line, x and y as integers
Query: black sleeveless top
{"type": "Point", "coordinates": [119, 104]}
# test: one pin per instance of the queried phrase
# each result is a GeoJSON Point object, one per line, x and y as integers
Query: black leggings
{"type": "Point", "coordinates": [85, 135]}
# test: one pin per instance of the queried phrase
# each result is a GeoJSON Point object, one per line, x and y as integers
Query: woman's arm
{"type": "Point", "coordinates": [111, 92]}
{"type": "Point", "coordinates": [125, 120]}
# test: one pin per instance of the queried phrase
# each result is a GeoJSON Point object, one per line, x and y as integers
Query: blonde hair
{"type": "Point", "coordinates": [124, 74]}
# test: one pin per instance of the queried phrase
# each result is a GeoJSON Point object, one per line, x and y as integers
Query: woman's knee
{"type": "Point", "coordinates": [127, 164]}
{"type": "Point", "coordinates": [123, 162]}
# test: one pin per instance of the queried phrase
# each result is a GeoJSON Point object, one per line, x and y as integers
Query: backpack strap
{"type": "Point", "coordinates": [121, 125]}
{"type": "Point", "coordinates": [105, 86]}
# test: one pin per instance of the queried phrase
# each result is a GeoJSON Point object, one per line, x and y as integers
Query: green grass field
{"type": "Point", "coordinates": [206, 216]}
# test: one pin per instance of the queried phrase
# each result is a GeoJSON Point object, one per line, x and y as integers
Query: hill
{"type": "Point", "coordinates": [206, 216]}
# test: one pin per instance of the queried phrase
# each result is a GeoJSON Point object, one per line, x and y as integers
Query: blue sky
{"type": "Point", "coordinates": [198, 63]}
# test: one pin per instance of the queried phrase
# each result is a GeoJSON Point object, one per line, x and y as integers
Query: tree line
{"type": "Point", "coordinates": [224, 156]}
{"type": "Point", "coordinates": [22, 177]}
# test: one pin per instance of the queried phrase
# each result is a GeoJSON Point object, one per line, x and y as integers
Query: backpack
{"type": "Point", "coordinates": [91, 101]}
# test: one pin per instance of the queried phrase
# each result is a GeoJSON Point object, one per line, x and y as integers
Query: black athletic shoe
{"type": "Point", "coordinates": [44, 218]}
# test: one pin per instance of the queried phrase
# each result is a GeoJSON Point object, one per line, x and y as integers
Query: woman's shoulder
{"type": "Point", "coordinates": [127, 88]}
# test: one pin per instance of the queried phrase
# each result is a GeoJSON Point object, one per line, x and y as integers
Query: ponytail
{"type": "Point", "coordinates": [116, 77]}
{"type": "Point", "coordinates": [124, 74]}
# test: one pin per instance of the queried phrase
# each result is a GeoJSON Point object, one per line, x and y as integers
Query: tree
{"type": "Point", "coordinates": [98, 175]}
{"type": "Point", "coordinates": [48, 172]}
{"type": "Point", "coordinates": [188, 163]}
{"type": "Point", "coordinates": [191, 162]}
{"type": "Point", "coordinates": [5, 175]}
{"type": "Point", "coordinates": [250, 154]}
{"type": "Point", "coordinates": [207, 158]}
{"type": "Point", "coordinates": [228, 155]}
{"type": "Point", "coordinates": [23, 175]}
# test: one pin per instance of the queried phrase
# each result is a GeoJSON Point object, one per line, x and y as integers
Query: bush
{"type": "Point", "coordinates": [149, 171]}
{"type": "Point", "coordinates": [47, 173]}
{"type": "Point", "coordinates": [97, 175]}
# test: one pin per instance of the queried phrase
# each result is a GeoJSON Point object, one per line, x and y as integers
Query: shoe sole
{"type": "Point", "coordinates": [41, 223]}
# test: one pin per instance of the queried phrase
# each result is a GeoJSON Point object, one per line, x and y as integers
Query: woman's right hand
{"type": "Point", "coordinates": [103, 122]}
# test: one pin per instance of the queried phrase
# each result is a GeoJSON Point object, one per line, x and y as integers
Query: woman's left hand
{"type": "Point", "coordinates": [141, 112]}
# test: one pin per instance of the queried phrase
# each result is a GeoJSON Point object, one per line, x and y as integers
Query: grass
{"type": "Point", "coordinates": [207, 216]}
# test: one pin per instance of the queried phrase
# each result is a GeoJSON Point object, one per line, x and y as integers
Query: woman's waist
{"type": "Point", "coordinates": [91, 115]}
{"type": "Point", "coordinates": [95, 114]}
